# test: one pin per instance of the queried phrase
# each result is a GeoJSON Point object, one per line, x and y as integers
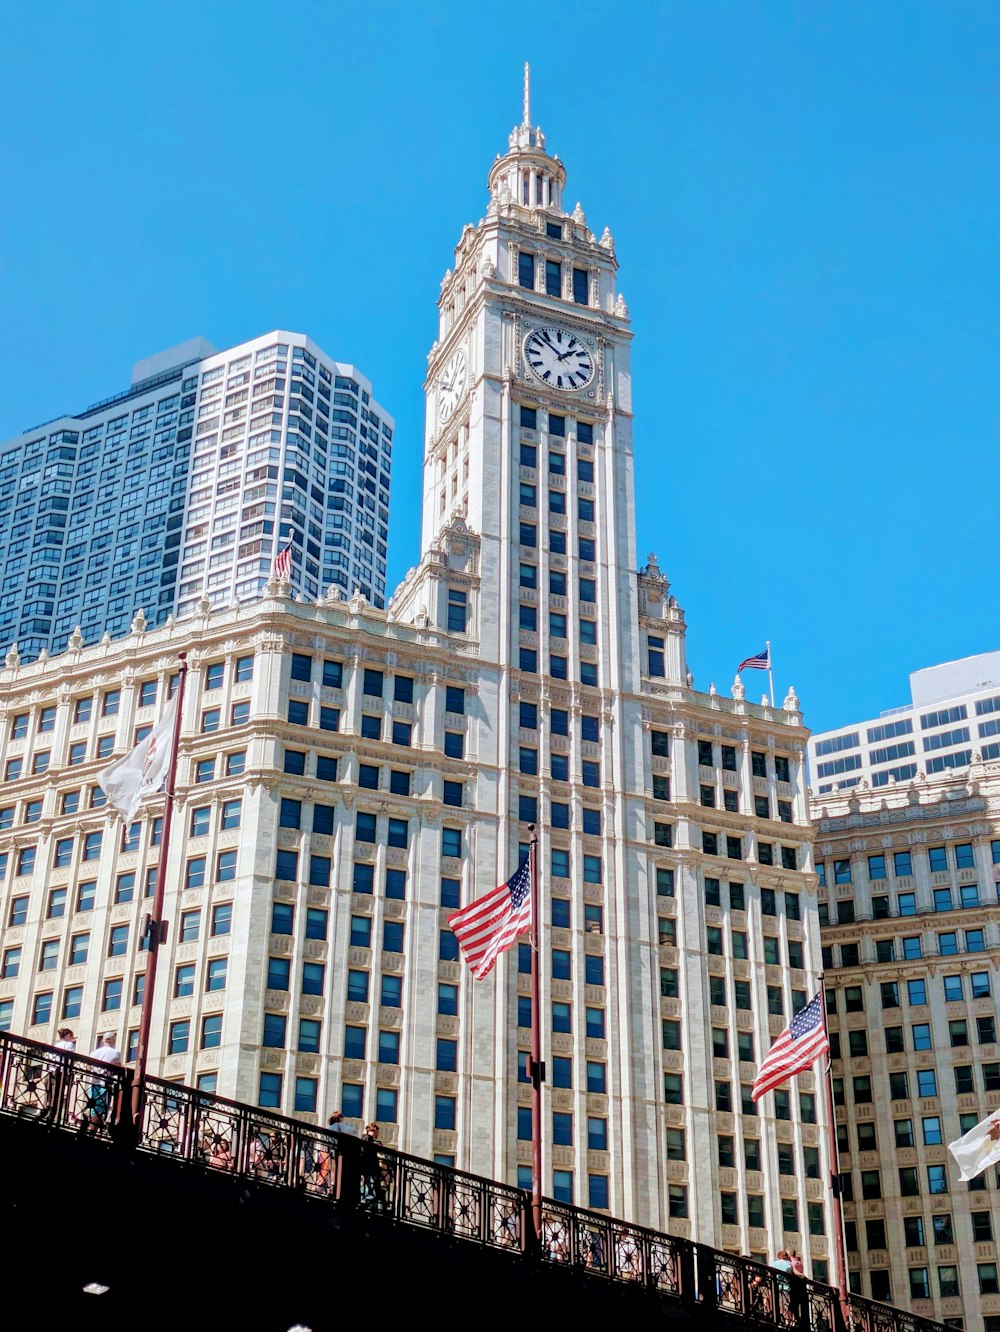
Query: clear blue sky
{"type": "Point", "coordinates": [804, 200]}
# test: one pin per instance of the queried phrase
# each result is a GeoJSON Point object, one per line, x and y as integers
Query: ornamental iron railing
{"type": "Point", "coordinates": [75, 1094]}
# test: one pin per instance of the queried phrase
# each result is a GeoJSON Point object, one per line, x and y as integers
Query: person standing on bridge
{"type": "Point", "coordinates": [55, 1079]}
{"type": "Point", "coordinates": [99, 1095]}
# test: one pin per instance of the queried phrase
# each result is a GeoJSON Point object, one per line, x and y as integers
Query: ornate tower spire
{"type": "Point", "coordinates": [527, 174]}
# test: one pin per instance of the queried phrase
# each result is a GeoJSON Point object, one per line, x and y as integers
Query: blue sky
{"type": "Point", "coordinates": [804, 203]}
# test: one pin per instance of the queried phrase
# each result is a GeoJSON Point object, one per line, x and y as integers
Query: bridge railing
{"type": "Point", "coordinates": [871, 1316]}
{"type": "Point", "coordinates": [67, 1090]}
{"type": "Point", "coordinates": [75, 1094]}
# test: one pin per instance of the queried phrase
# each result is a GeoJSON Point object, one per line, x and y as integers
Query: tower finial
{"type": "Point", "coordinates": [526, 122]}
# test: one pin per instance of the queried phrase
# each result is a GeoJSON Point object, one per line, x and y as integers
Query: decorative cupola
{"type": "Point", "coordinates": [526, 174]}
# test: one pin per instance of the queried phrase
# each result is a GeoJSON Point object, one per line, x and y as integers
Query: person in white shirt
{"type": "Point", "coordinates": [106, 1050]}
{"type": "Point", "coordinates": [55, 1077]}
{"type": "Point", "coordinates": [99, 1094]}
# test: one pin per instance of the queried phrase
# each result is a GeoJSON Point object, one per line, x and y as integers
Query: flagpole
{"type": "Point", "coordinates": [838, 1214]}
{"type": "Point", "coordinates": [537, 1069]}
{"type": "Point", "coordinates": [770, 672]}
{"type": "Point", "coordinates": [155, 927]}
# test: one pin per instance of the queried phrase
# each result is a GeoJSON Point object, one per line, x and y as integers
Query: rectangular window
{"type": "Point", "coordinates": [457, 610]}
{"type": "Point", "coordinates": [581, 286]}
{"type": "Point", "coordinates": [301, 668]}
{"type": "Point", "coordinates": [229, 814]}
{"type": "Point", "coordinates": [526, 279]}
{"type": "Point", "coordinates": [312, 977]}
{"type": "Point", "coordinates": [454, 700]}
{"type": "Point", "coordinates": [278, 973]}
{"type": "Point", "coordinates": [215, 977]}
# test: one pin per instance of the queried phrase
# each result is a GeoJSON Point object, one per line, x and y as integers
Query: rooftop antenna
{"type": "Point", "coordinates": [526, 122]}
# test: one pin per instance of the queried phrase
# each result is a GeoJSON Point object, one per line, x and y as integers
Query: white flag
{"type": "Point", "coordinates": [129, 779]}
{"type": "Point", "coordinates": [979, 1148]}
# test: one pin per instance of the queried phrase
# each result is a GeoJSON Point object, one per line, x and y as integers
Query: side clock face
{"type": "Point", "coordinates": [451, 385]}
{"type": "Point", "coordinates": [559, 358]}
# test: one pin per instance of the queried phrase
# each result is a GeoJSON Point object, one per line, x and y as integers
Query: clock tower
{"type": "Point", "coordinates": [529, 549]}
{"type": "Point", "coordinates": [528, 425]}
{"type": "Point", "coordinates": [561, 698]}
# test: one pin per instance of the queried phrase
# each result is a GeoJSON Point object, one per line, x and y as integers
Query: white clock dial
{"type": "Point", "coordinates": [451, 385]}
{"type": "Point", "coordinates": [559, 359]}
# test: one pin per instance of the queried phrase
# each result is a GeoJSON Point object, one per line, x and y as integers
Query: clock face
{"type": "Point", "coordinates": [451, 385]}
{"type": "Point", "coordinates": [559, 359]}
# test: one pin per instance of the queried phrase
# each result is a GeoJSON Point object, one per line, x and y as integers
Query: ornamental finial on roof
{"type": "Point", "coordinates": [526, 121]}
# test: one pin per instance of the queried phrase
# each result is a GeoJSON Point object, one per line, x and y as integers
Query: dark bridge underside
{"type": "Point", "coordinates": [200, 1212]}
{"type": "Point", "coordinates": [182, 1249]}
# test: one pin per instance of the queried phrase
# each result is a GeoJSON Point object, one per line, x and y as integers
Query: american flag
{"type": "Point", "coordinates": [802, 1042]}
{"type": "Point", "coordinates": [760, 662]}
{"type": "Point", "coordinates": [282, 564]}
{"type": "Point", "coordinates": [488, 927]}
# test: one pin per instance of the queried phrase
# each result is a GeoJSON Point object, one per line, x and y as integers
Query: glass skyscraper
{"type": "Point", "coordinates": [186, 485]}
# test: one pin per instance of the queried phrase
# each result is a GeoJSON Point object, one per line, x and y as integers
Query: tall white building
{"type": "Point", "coordinates": [909, 881]}
{"type": "Point", "coordinates": [184, 487]}
{"type": "Point", "coordinates": [351, 775]}
{"type": "Point", "coordinates": [953, 715]}
{"type": "Point", "coordinates": [912, 961]}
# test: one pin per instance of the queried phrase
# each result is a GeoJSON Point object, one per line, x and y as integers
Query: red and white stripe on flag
{"type": "Point", "coordinates": [282, 566]}
{"type": "Point", "coordinates": [802, 1042]}
{"type": "Point", "coordinates": [761, 661]}
{"type": "Point", "coordinates": [489, 926]}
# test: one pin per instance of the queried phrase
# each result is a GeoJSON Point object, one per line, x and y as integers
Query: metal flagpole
{"type": "Point", "coordinates": [770, 673]}
{"type": "Point", "coordinates": [838, 1213]}
{"type": "Point", "coordinates": [156, 932]}
{"type": "Point", "coordinates": [537, 1068]}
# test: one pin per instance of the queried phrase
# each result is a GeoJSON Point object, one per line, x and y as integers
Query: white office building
{"type": "Point", "coordinates": [953, 715]}
{"type": "Point", "coordinates": [350, 775]}
{"type": "Point", "coordinates": [180, 490]}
